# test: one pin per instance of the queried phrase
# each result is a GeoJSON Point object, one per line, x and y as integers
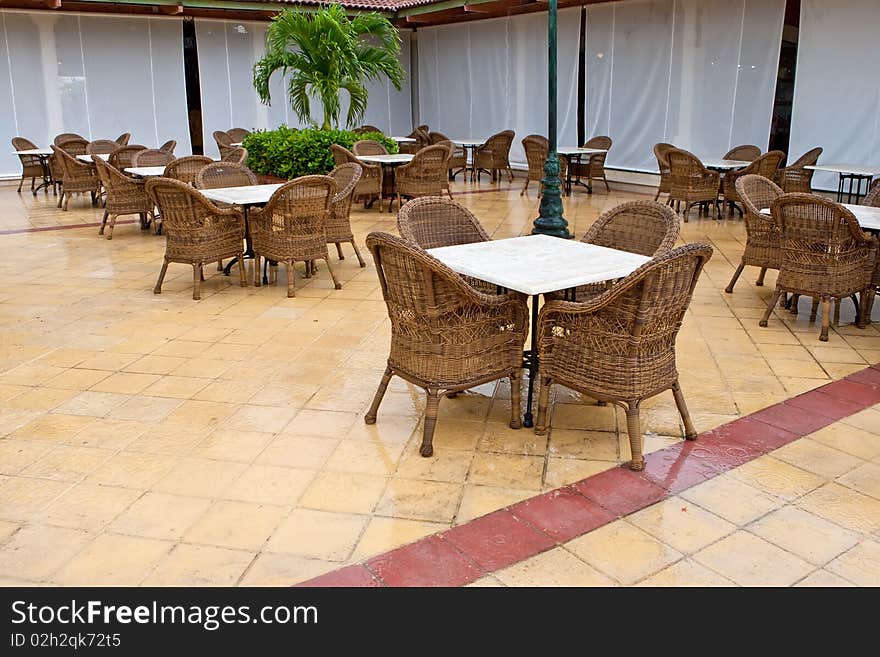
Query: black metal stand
{"type": "Point", "coordinates": [530, 363]}
{"type": "Point", "coordinates": [249, 249]}
{"type": "Point", "coordinates": [47, 175]}
{"type": "Point", "coordinates": [852, 196]}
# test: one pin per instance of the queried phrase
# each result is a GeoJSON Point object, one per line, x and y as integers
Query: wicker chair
{"type": "Point", "coordinates": [457, 159]}
{"type": "Point", "coordinates": [101, 146]}
{"type": "Point", "coordinates": [169, 146]}
{"type": "Point", "coordinates": [425, 175]}
{"type": "Point", "coordinates": [619, 347]}
{"type": "Point", "coordinates": [224, 174]}
{"type": "Point", "coordinates": [873, 197]}
{"type": "Point", "coordinates": [151, 157]}
{"type": "Point", "coordinates": [338, 226]}
{"type": "Point", "coordinates": [594, 167]}
{"type": "Point", "coordinates": [185, 169]}
{"type": "Point", "coordinates": [762, 232]}
{"type": "Point", "coordinates": [766, 165]}
{"type": "Point", "coordinates": [290, 228]}
{"type": "Point", "coordinates": [79, 178]}
{"type": "Point", "coordinates": [65, 136]}
{"type": "Point", "coordinates": [31, 165]}
{"type": "Point", "coordinates": [690, 182]}
{"type": "Point", "coordinates": [125, 195]}
{"type": "Point", "coordinates": [644, 227]}
{"type": "Point", "coordinates": [196, 230]}
{"type": "Point", "coordinates": [537, 147]}
{"type": "Point", "coordinates": [74, 146]}
{"type": "Point", "coordinates": [122, 139]}
{"type": "Point", "coordinates": [123, 156]}
{"type": "Point", "coordinates": [661, 151]}
{"type": "Point", "coordinates": [370, 186]}
{"type": "Point", "coordinates": [224, 142]}
{"type": "Point", "coordinates": [422, 139]}
{"type": "Point", "coordinates": [365, 128]}
{"type": "Point", "coordinates": [445, 336]}
{"type": "Point", "coordinates": [237, 135]}
{"type": "Point", "coordinates": [494, 156]}
{"type": "Point", "coordinates": [77, 146]}
{"type": "Point", "coordinates": [796, 178]}
{"type": "Point", "coordinates": [745, 153]}
{"type": "Point", "coordinates": [825, 254]}
{"type": "Point", "coordinates": [368, 147]}
{"type": "Point", "coordinates": [235, 155]}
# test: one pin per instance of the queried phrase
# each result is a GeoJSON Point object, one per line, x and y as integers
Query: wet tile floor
{"type": "Point", "coordinates": [155, 440]}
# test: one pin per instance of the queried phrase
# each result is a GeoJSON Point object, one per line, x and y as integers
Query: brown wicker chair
{"type": "Point", "coordinates": [494, 156]}
{"type": "Point", "coordinates": [370, 186]}
{"type": "Point", "coordinates": [79, 178]}
{"type": "Point", "coordinates": [619, 347]}
{"type": "Point", "coordinates": [873, 197]}
{"type": "Point", "coordinates": [825, 254]}
{"type": "Point", "coordinates": [101, 146]}
{"type": "Point", "coordinates": [224, 174]}
{"type": "Point", "coordinates": [458, 158]}
{"type": "Point", "coordinates": [766, 165]}
{"type": "Point", "coordinates": [122, 157]}
{"type": "Point", "coordinates": [425, 175]}
{"type": "Point", "coordinates": [537, 147]}
{"type": "Point", "coordinates": [745, 153]}
{"type": "Point", "coordinates": [690, 182]}
{"type": "Point", "coordinates": [151, 157]}
{"type": "Point", "coordinates": [290, 228]}
{"type": "Point", "coordinates": [236, 155]}
{"type": "Point", "coordinates": [196, 230]}
{"type": "Point", "coordinates": [422, 139]}
{"type": "Point", "coordinates": [72, 143]}
{"type": "Point", "coordinates": [338, 226]}
{"type": "Point", "coordinates": [185, 169]}
{"type": "Point", "coordinates": [445, 336]}
{"type": "Point", "coordinates": [237, 135]}
{"type": "Point", "coordinates": [125, 195]}
{"type": "Point", "coordinates": [31, 165]}
{"type": "Point", "coordinates": [762, 232]}
{"type": "Point", "coordinates": [65, 136]}
{"type": "Point", "coordinates": [368, 147]}
{"type": "Point", "coordinates": [74, 146]}
{"type": "Point", "coordinates": [169, 146]}
{"type": "Point", "coordinates": [794, 177]}
{"type": "Point", "coordinates": [365, 128]}
{"type": "Point", "coordinates": [661, 151]}
{"type": "Point", "coordinates": [224, 142]}
{"type": "Point", "coordinates": [122, 139]}
{"type": "Point", "coordinates": [593, 168]}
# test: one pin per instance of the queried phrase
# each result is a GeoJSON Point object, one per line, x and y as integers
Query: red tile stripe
{"type": "Point", "coordinates": [500, 539]}
{"type": "Point", "coordinates": [43, 229]}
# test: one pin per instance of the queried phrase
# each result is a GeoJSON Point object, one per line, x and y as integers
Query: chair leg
{"type": "Point", "coordinates": [103, 223]}
{"type": "Point", "coordinates": [449, 192]}
{"type": "Point", "coordinates": [760, 281]}
{"type": "Point", "coordinates": [836, 303]}
{"type": "Point", "coordinates": [197, 282]}
{"type": "Point", "coordinates": [339, 251]}
{"type": "Point", "coordinates": [826, 319]}
{"type": "Point", "coordinates": [242, 271]}
{"type": "Point", "coordinates": [814, 308]}
{"type": "Point", "coordinates": [111, 226]}
{"type": "Point", "coordinates": [867, 306]}
{"type": "Point", "coordinates": [358, 254]}
{"type": "Point", "coordinates": [634, 428]}
{"type": "Point", "coordinates": [336, 282]}
{"type": "Point", "coordinates": [739, 270]}
{"type": "Point", "coordinates": [690, 432]}
{"type": "Point", "coordinates": [657, 195]}
{"type": "Point", "coordinates": [543, 402]}
{"type": "Point", "coordinates": [427, 448]}
{"type": "Point", "coordinates": [220, 265]}
{"type": "Point", "coordinates": [516, 399]}
{"type": "Point", "coordinates": [257, 278]}
{"type": "Point", "coordinates": [291, 285]}
{"type": "Point", "coordinates": [770, 306]}
{"type": "Point", "coordinates": [605, 180]}
{"type": "Point", "coordinates": [158, 288]}
{"type": "Point", "coordinates": [370, 417]}
{"type": "Point", "coordinates": [21, 182]}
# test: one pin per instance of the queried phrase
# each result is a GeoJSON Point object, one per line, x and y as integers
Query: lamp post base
{"type": "Point", "coordinates": [550, 220]}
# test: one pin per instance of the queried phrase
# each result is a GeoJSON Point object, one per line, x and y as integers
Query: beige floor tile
{"type": "Point", "coordinates": [731, 499]}
{"type": "Point", "coordinates": [76, 379]}
{"type": "Point", "coordinates": [453, 433]}
{"type": "Point", "coordinates": [344, 492]}
{"type": "Point", "coordinates": [868, 420]}
{"type": "Point", "coordinates": [587, 445]}
{"type": "Point", "coordinates": [113, 560]}
{"type": "Point", "coordinates": [132, 470]}
{"type": "Point", "coordinates": [864, 479]}
{"type": "Point", "coordinates": [686, 573]}
{"type": "Point", "coordinates": [503, 439]}
{"type": "Point", "coordinates": [318, 534]}
{"type": "Point", "coordinates": [92, 404]}
{"type": "Point", "coordinates": [37, 551]}
{"type": "Point", "coordinates": [178, 387]}
{"type": "Point", "coordinates": [777, 478]}
{"type": "Point", "coordinates": [145, 409]}
{"type": "Point", "coordinates": [154, 364]}
{"type": "Point", "coordinates": [433, 501]}
{"type": "Point", "coordinates": [861, 565]}
{"type": "Point", "coordinates": [298, 451]}
{"type": "Point", "coordinates": [681, 525]}
{"type": "Point", "coordinates": [269, 484]}
{"type": "Point", "coordinates": [15, 455]}
{"type": "Point", "coordinates": [260, 418]}
{"type": "Point", "coordinates": [844, 506]}
{"type": "Point", "coordinates": [89, 506]}
{"type": "Point", "coordinates": [200, 565]}
{"type": "Point", "coordinates": [232, 445]}
{"type": "Point", "coordinates": [66, 463]}
{"type": "Point", "coordinates": [808, 536]}
{"type": "Point", "coordinates": [446, 465]}
{"type": "Point", "coordinates": [53, 428]}
{"type": "Point", "coordinates": [156, 515]}
{"type": "Point", "coordinates": [751, 561]}
{"type": "Point", "coordinates": [822, 578]}
{"type": "Point", "coordinates": [321, 423]}
{"type": "Point", "coordinates": [383, 534]}
{"type": "Point", "coordinates": [489, 581]}
{"type": "Point", "coordinates": [236, 525]}
{"type": "Point", "coordinates": [24, 499]}
{"type": "Point", "coordinates": [849, 439]}
{"type": "Point", "coordinates": [7, 529]}
{"type": "Point", "coordinates": [361, 457]}
{"type": "Point", "coordinates": [584, 417]}
{"type": "Point", "coordinates": [196, 413]}
{"type": "Point", "coordinates": [563, 471]}
{"type": "Point", "coordinates": [200, 477]}
{"type": "Point", "coordinates": [815, 457]}
{"type": "Point", "coordinates": [284, 570]}
{"type": "Point", "coordinates": [41, 399]}
{"type": "Point", "coordinates": [479, 500]}
{"type": "Point", "coordinates": [507, 471]}
{"type": "Point", "coordinates": [553, 568]}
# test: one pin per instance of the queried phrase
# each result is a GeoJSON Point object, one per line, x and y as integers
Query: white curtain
{"type": "Point", "coordinates": [98, 76]}
{"type": "Point", "coordinates": [700, 74]}
{"type": "Point", "coordinates": [837, 85]}
{"type": "Point", "coordinates": [476, 79]}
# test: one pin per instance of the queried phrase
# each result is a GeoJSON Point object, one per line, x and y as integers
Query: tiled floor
{"type": "Point", "coordinates": [157, 440]}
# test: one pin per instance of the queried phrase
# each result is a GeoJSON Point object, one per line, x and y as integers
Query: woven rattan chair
{"type": "Point", "coordinates": [31, 165]}
{"type": "Point", "coordinates": [369, 188]}
{"type": "Point", "coordinates": [224, 174]}
{"type": "Point", "coordinates": [425, 175]}
{"type": "Point", "coordinates": [122, 139]}
{"type": "Point", "coordinates": [169, 146]}
{"type": "Point", "coordinates": [125, 195]}
{"type": "Point", "coordinates": [101, 146]}
{"type": "Point", "coordinates": [458, 157]}
{"type": "Point", "coordinates": [873, 197]}
{"type": "Point", "coordinates": [494, 156]}
{"type": "Point", "coordinates": [236, 155]}
{"type": "Point", "coordinates": [338, 225]}
{"type": "Point", "coordinates": [690, 183]}
{"type": "Point", "coordinates": [661, 151]}
{"type": "Point", "coordinates": [446, 336]}
{"type": "Point", "coordinates": [762, 232]}
{"type": "Point", "coordinates": [123, 156]}
{"type": "Point", "coordinates": [151, 157]}
{"type": "Point", "coordinates": [79, 178]}
{"type": "Point", "coordinates": [224, 142]}
{"type": "Point", "coordinates": [196, 231]}
{"type": "Point", "coordinates": [237, 135]}
{"type": "Point", "coordinates": [766, 165]}
{"type": "Point", "coordinates": [537, 147]}
{"type": "Point", "coordinates": [422, 139]}
{"type": "Point", "coordinates": [65, 136]}
{"type": "Point", "coordinates": [185, 169]}
{"type": "Point", "coordinates": [593, 167]}
{"type": "Point", "coordinates": [745, 153]}
{"type": "Point", "coordinates": [74, 146]}
{"type": "Point", "coordinates": [368, 147]}
{"type": "Point", "coordinates": [796, 178]}
{"type": "Point", "coordinates": [365, 128]}
{"type": "Point", "coordinates": [619, 347]}
{"type": "Point", "coordinates": [290, 228]}
{"type": "Point", "coordinates": [825, 254]}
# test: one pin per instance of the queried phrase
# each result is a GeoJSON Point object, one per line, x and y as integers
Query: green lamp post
{"type": "Point", "coordinates": [550, 220]}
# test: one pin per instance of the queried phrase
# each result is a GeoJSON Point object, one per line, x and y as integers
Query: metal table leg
{"type": "Point", "coordinates": [530, 362]}
{"type": "Point", "coordinates": [249, 249]}
{"type": "Point", "coordinates": [47, 175]}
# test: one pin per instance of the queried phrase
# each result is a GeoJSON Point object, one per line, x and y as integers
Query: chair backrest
{"type": "Point", "coordinates": [237, 135]}
{"type": "Point", "coordinates": [745, 153]}
{"type": "Point", "coordinates": [151, 157]}
{"type": "Point", "coordinates": [185, 169]}
{"type": "Point", "coordinates": [537, 147]}
{"type": "Point", "coordinates": [433, 221]}
{"type": "Point", "coordinates": [347, 177]}
{"type": "Point", "coordinates": [661, 152]}
{"type": "Point", "coordinates": [64, 136]}
{"type": "Point", "coordinates": [112, 178]}
{"type": "Point", "coordinates": [237, 155]}
{"type": "Point", "coordinates": [22, 144]}
{"type": "Point", "coordinates": [424, 128]}
{"type": "Point", "coordinates": [766, 165]}
{"type": "Point", "coordinates": [757, 193]}
{"type": "Point", "coordinates": [74, 146]}
{"type": "Point", "coordinates": [807, 159]}
{"type": "Point", "coordinates": [499, 143]}
{"type": "Point", "coordinates": [369, 147]}
{"type": "Point", "coordinates": [122, 139]}
{"type": "Point", "coordinates": [341, 154]}
{"type": "Point", "coordinates": [102, 146]}
{"type": "Point", "coordinates": [428, 167]}
{"type": "Point", "coordinates": [182, 207]}
{"type": "Point", "coordinates": [299, 209]}
{"type": "Point", "coordinates": [71, 166]}
{"type": "Point", "coordinates": [122, 157]}
{"type": "Point", "coordinates": [644, 227]}
{"type": "Point", "coordinates": [222, 138]}
{"type": "Point", "coordinates": [224, 174]}
{"type": "Point", "coordinates": [169, 146]}
{"type": "Point", "coordinates": [873, 197]}
{"type": "Point", "coordinates": [600, 141]}
{"type": "Point", "coordinates": [683, 166]}
{"type": "Point", "coordinates": [435, 136]}
{"type": "Point", "coordinates": [365, 128]}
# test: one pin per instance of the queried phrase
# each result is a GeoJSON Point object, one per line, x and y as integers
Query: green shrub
{"type": "Point", "coordinates": [290, 153]}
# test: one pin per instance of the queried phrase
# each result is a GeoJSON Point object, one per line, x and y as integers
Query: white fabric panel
{"type": "Point", "coordinates": [387, 108]}
{"type": "Point", "coordinates": [837, 85]}
{"type": "Point", "coordinates": [98, 76]}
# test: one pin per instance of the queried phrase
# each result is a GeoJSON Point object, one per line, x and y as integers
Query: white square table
{"type": "Point", "coordinates": [535, 265]}
{"type": "Point", "coordinates": [145, 172]}
{"type": "Point", "coordinates": [88, 158]}
{"type": "Point", "coordinates": [854, 173]}
{"type": "Point", "coordinates": [44, 154]}
{"type": "Point", "coordinates": [576, 153]}
{"type": "Point", "coordinates": [388, 162]}
{"type": "Point", "coordinates": [469, 145]}
{"type": "Point", "coordinates": [403, 140]}
{"type": "Point", "coordinates": [724, 165]}
{"type": "Point", "coordinates": [867, 216]}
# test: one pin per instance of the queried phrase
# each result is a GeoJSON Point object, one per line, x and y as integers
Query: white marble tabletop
{"type": "Point", "coordinates": [725, 164]}
{"type": "Point", "coordinates": [395, 158]}
{"type": "Point", "coordinates": [41, 152]}
{"type": "Point", "coordinates": [536, 264]}
{"type": "Point", "coordinates": [867, 216]}
{"type": "Point", "coordinates": [577, 150]}
{"type": "Point", "coordinates": [245, 195]}
{"type": "Point", "coordinates": [468, 142]}
{"type": "Point", "coordinates": [403, 140]}
{"type": "Point", "coordinates": [88, 158]}
{"type": "Point", "coordinates": [146, 172]}
{"type": "Point", "coordinates": [854, 169]}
